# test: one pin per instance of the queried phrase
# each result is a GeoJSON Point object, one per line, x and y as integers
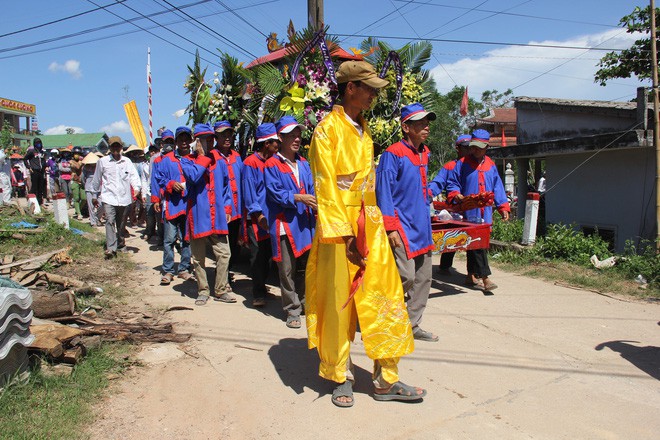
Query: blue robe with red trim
{"type": "Point", "coordinates": [298, 219]}
{"type": "Point", "coordinates": [235, 168]}
{"type": "Point", "coordinates": [253, 187]}
{"type": "Point", "coordinates": [472, 177]}
{"type": "Point", "coordinates": [167, 173]}
{"type": "Point", "coordinates": [156, 189]}
{"type": "Point", "coordinates": [403, 196]}
{"type": "Point", "coordinates": [439, 182]}
{"type": "Point", "coordinates": [209, 197]}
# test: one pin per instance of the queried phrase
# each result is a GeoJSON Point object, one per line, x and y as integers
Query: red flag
{"type": "Point", "coordinates": [464, 103]}
{"type": "Point", "coordinates": [363, 249]}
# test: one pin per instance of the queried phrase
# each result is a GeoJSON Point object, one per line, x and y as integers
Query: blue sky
{"type": "Point", "coordinates": [82, 81]}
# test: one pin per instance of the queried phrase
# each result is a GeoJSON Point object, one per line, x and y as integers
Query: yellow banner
{"type": "Point", "coordinates": [136, 124]}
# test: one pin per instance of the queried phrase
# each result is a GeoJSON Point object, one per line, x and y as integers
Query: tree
{"type": "Point", "coordinates": [637, 59]}
{"type": "Point", "coordinates": [6, 135]}
{"type": "Point", "coordinates": [70, 130]}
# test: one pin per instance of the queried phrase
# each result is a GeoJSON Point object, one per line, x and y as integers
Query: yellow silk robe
{"type": "Point", "coordinates": [340, 158]}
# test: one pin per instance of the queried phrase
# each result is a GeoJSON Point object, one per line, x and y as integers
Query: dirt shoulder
{"type": "Point", "coordinates": [535, 360]}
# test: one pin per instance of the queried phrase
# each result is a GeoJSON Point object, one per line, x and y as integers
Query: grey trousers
{"type": "Point", "coordinates": [220, 246]}
{"type": "Point", "coordinates": [416, 276]}
{"type": "Point", "coordinates": [115, 221]}
{"type": "Point", "coordinates": [292, 278]}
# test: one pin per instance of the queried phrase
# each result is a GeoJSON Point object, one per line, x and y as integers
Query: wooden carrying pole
{"type": "Point", "coordinates": [656, 122]}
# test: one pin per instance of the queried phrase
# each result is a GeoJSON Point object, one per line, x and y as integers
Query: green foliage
{"type": "Point", "coordinates": [635, 60]}
{"type": "Point", "coordinates": [60, 406]}
{"type": "Point", "coordinates": [6, 135]}
{"type": "Point", "coordinates": [640, 260]}
{"type": "Point", "coordinates": [565, 243]}
{"type": "Point", "coordinates": [510, 231]}
{"type": "Point", "coordinates": [199, 92]}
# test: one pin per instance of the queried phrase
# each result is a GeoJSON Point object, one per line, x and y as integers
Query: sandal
{"type": "Point", "coordinates": [201, 300]}
{"type": "Point", "coordinates": [470, 281]}
{"type": "Point", "coordinates": [343, 390]}
{"type": "Point", "coordinates": [185, 275]}
{"type": "Point", "coordinates": [293, 321]}
{"type": "Point", "coordinates": [401, 392]}
{"type": "Point", "coordinates": [166, 279]}
{"type": "Point", "coordinates": [423, 335]}
{"type": "Point", "coordinates": [225, 298]}
{"type": "Point", "coordinates": [489, 285]}
{"type": "Point", "coordinates": [259, 302]}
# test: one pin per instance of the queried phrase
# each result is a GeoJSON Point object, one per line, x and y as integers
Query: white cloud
{"type": "Point", "coordinates": [116, 127]}
{"type": "Point", "coordinates": [61, 129]}
{"type": "Point", "coordinates": [513, 66]}
{"type": "Point", "coordinates": [72, 67]}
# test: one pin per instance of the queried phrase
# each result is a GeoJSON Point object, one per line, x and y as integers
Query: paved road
{"type": "Point", "coordinates": [533, 361]}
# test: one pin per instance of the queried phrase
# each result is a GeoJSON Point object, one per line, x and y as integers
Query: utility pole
{"type": "Point", "coordinates": [315, 14]}
{"type": "Point", "coordinates": [656, 123]}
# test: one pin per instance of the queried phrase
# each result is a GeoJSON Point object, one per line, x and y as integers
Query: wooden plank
{"type": "Point", "coordinates": [45, 256]}
{"type": "Point", "coordinates": [73, 355]}
{"type": "Point", "coordinates": [6, 260]}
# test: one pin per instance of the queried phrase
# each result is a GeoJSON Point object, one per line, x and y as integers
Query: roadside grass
{"type": "Point", "coordinates": [577, 276]}
{"type": "Point", "coordinates": [49, 407]}
{"type": "Point", "coordinates": [45, 407]}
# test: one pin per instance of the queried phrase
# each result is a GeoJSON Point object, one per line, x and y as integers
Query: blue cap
{"type": "Point", "coordinates": [287, 124]}
{"type": "Point", "coordinates": [480, 138]}
{"type": "Point", "coordinates": [415, 112]}
{"type": "Point", "coordinates": [221, 126]}
{"type": "Point", "coordinates": [181, 130]}
{"type": "Point", "coordinates": [202, 130]}
{"type": "Point", "coordinates": [463, 138]}
{"type": "Point", "coordinates": [167, 134]}
{"type": "Point", "coordinates": [266, 132]}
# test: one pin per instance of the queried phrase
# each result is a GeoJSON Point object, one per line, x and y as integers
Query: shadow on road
{"type": "Point", "coordinates": [645, 358]}
{"type": "Point", "coordinates": [298, 368]}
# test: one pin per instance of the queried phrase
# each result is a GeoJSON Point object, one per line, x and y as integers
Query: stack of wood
{"type": "Point", "coordinates": [63, 335]}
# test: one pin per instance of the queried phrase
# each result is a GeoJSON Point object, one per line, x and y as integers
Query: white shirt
{"type": "Point", "coordinates": [296, 174]}
{"type": "Point", "coordinates": [113, 180]}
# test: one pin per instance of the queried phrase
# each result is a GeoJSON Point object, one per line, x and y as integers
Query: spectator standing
{"type": "Point", "coordinates": [476, 173]}
{"type": "Point", "coordinates": [77, 188]}
{"type": "Point", "coordinates": [209, 210]}
{"type": "Point", "coordinates": [64, 168]}
{"type": "Point", "coordinates": [113, 178]}
{"type": "Point", "coordinates": [255, 210]}
{"type": "Point", "coordinates": [87, 177]}
{"type": "Point", "coordinates": [53, 173]}
{"type": "Point", "coordinates": [291, 217]}
{"type": "Point", "coordinates": [342, 161]}
{"type": "Point", "coordinates": [404, 199]}
{"type": "Point", "coordinates": [35, 161]}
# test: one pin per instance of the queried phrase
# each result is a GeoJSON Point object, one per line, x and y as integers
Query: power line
{"type": "Point", "coordinates": [122, 34]}
{"type": "Point", "coordinates": [218, 34]}
{"type": "Point", "coordinates": [512, 14]}
{"type": "Point", "coordinates": [457, 17]}
{"type": "Point", "coordinates": [493, 43]}
{"type": "Point", "coordinates": [90, 30]}
{"type": "Point", "coordinates": [373, 22]}
{"type": "Point", "coordinates": [240, 18]}
{"type": "Point", "coordinates": [59, 20]}
{"type": "Point", "coordinates": [415, 31]}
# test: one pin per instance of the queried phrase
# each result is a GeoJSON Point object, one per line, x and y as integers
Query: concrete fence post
{"type": "Point", "coordinates": [531, 218]}
{"type": "Point", "coordinates": [60, 209]}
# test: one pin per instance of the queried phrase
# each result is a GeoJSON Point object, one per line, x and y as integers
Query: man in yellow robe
{"type": "Point", "coordinates": [342, 161]}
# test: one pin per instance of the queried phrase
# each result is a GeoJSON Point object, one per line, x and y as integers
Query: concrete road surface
{"type": "Point", "coordinates": [532, 361]}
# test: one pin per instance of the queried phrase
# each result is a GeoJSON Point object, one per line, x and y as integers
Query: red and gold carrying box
{"type": "Point", "coordinates": [454, 235]}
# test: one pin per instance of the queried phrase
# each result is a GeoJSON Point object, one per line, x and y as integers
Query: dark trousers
{"type": "Point", "coordinates": [234, 231]}
{"type": "Point", "coordinates": [477, 263]}
{"type": "Point", "coordinates": [447, 260]}
{"type": "Point", "coordinates": [260, 255]}
{"type": "Point", "coordinates": [38, 179]}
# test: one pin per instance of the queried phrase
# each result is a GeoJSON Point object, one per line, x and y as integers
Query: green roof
{"type": "Point", "coordinates": [77, 140]}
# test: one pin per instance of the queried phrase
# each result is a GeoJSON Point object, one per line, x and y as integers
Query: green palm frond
{"type": "Point", "coordinates": [269, 78]}
{"type": "Point", "coordinates": [415, 55]}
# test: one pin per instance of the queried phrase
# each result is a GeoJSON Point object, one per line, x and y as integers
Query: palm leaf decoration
{"type": "Point", "coordinates": [199, 92]}
{"type": "Point", "coordinates": [414, 56]}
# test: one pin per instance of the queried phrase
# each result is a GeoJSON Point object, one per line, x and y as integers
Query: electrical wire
{"type": "Point", "coordinates": [221, 3]}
